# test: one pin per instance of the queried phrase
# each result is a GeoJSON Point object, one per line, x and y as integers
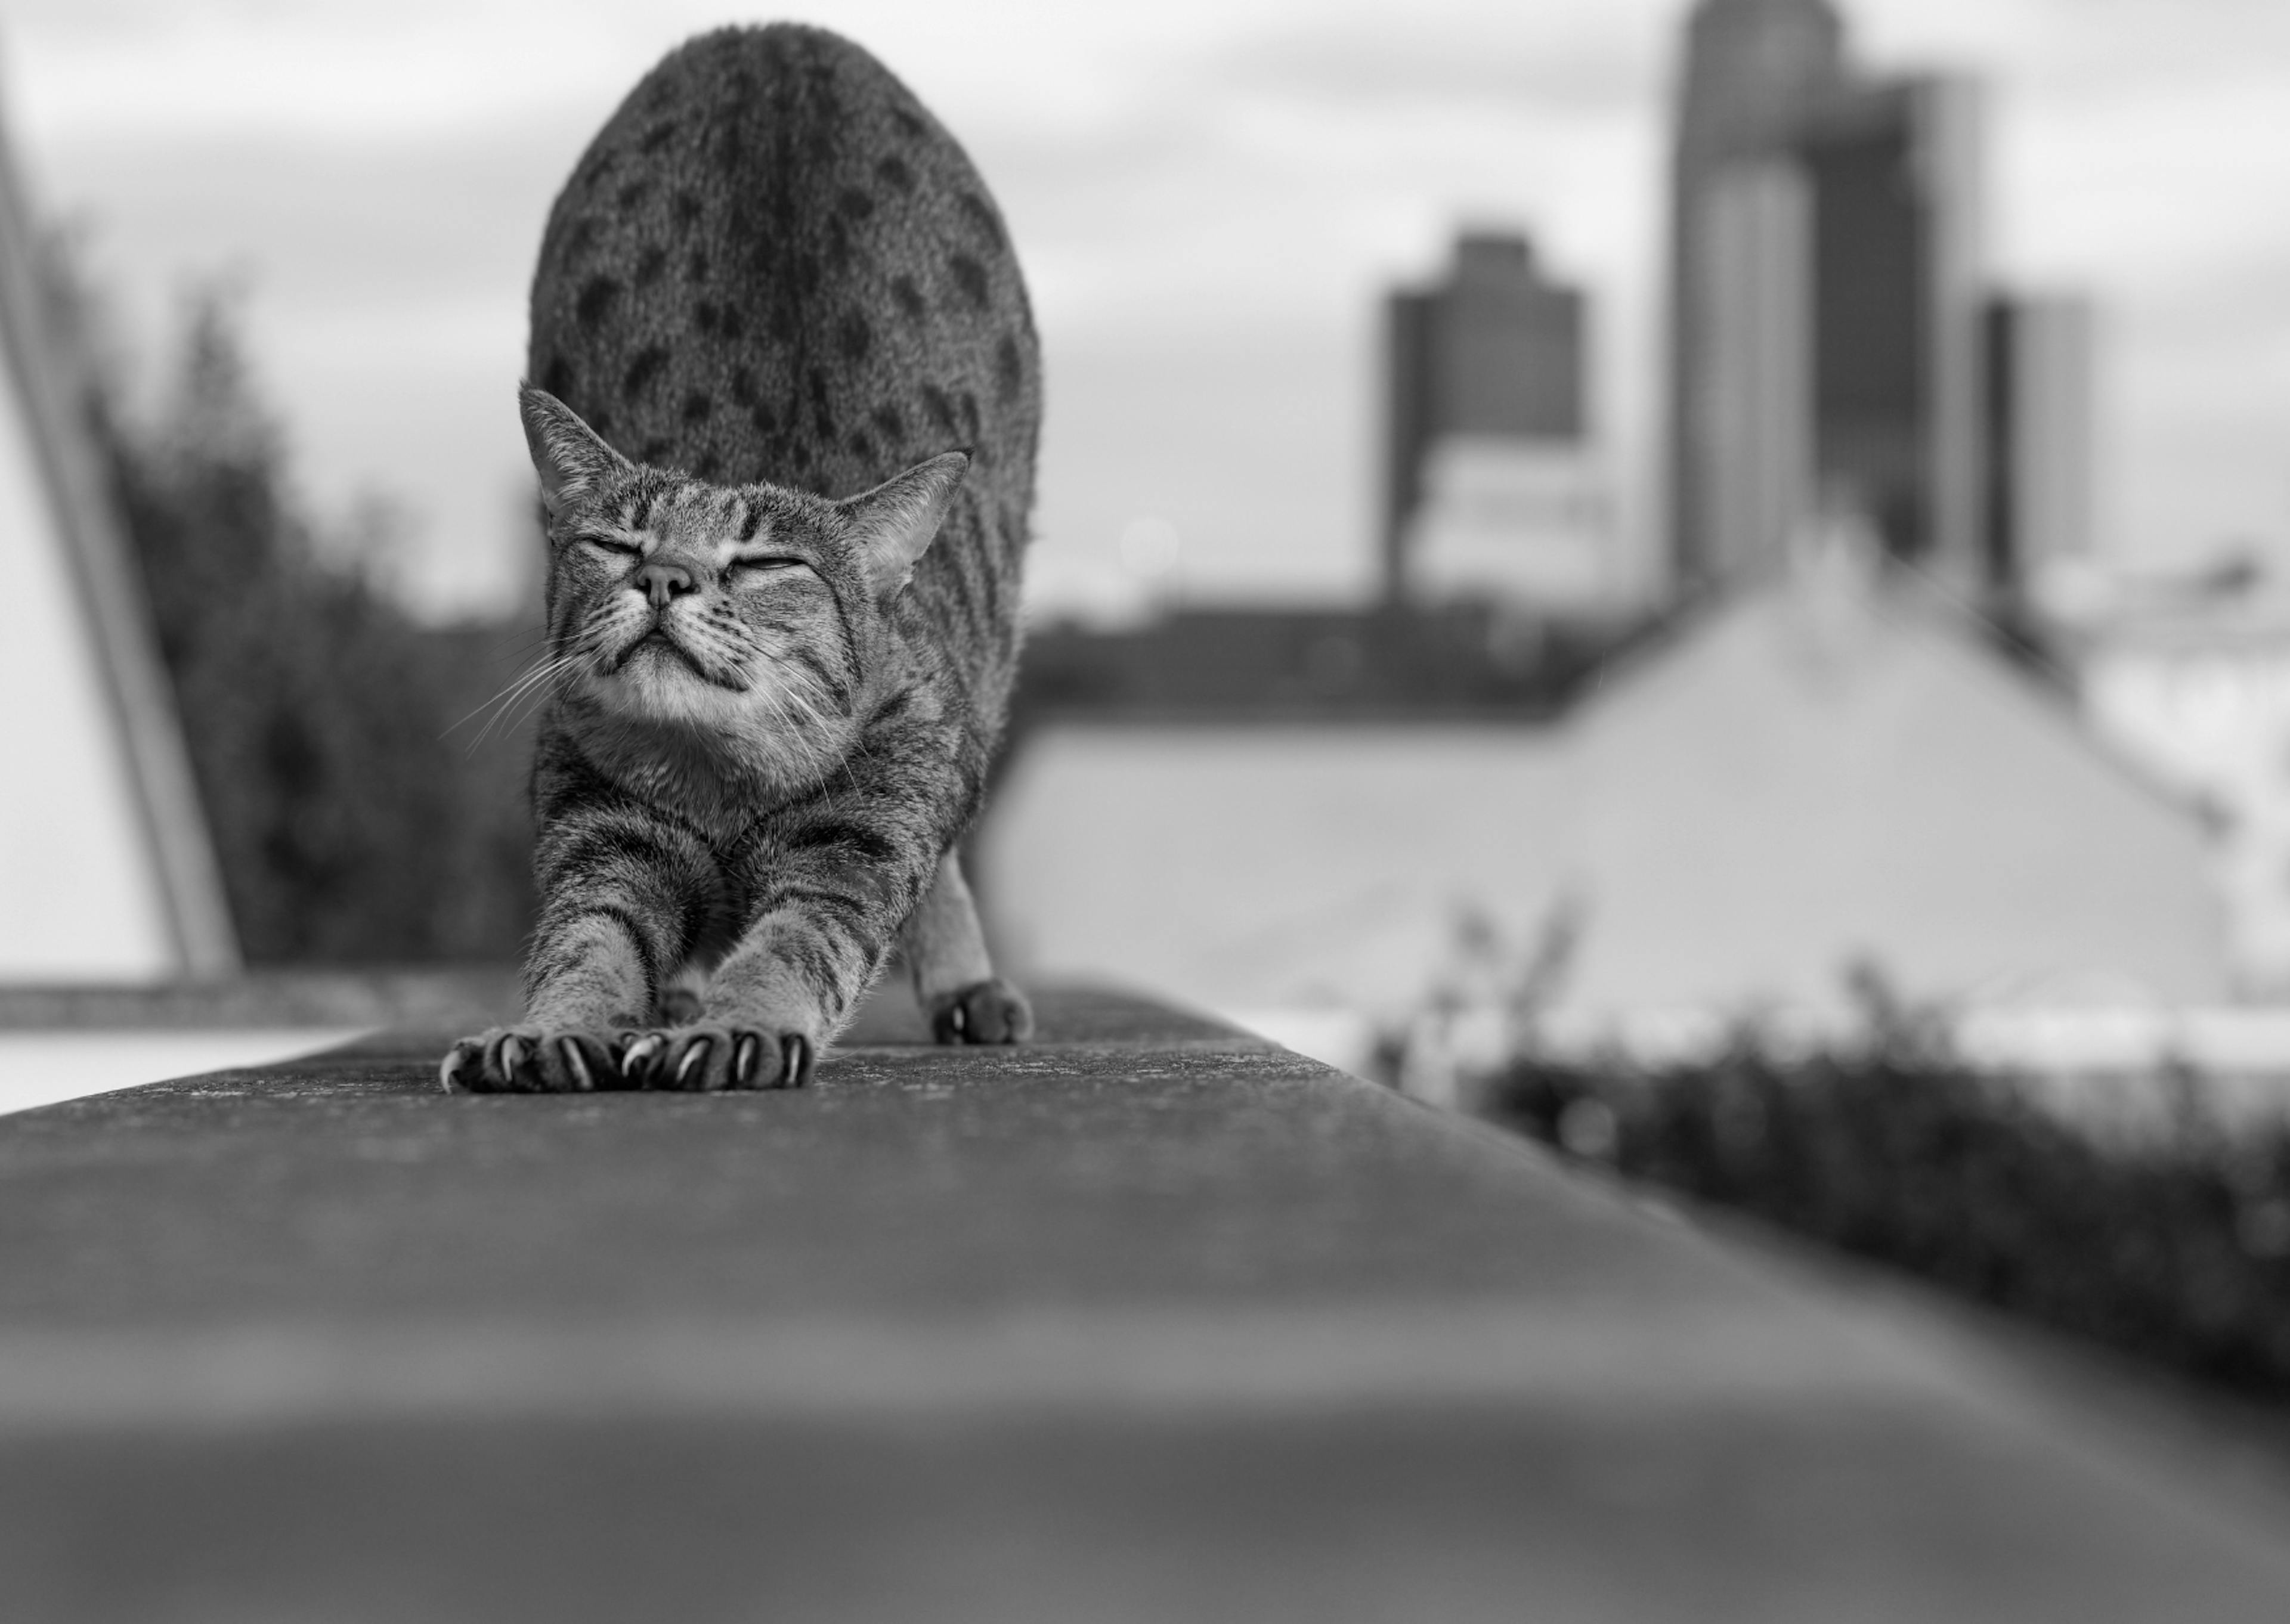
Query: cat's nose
{"type": "Point", "coordinates": [661, 581]}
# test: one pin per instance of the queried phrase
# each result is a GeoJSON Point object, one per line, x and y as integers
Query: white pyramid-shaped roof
{"type": "Point", "coordinates": [1835, 766]}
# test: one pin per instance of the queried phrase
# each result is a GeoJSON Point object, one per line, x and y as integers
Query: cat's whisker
{"type": "Point", "coordinates": [521, 645]}
{"type": "Point", "coordinates": [515, 715]}
{"type": "Point", "coordinates": [522, 681]}
{"type": "Point", "coordinates": [540, 676]}
{"type": "Point", "coordinates": [799, 699]}
{"type": "Point", "coordinates": [529, 682]}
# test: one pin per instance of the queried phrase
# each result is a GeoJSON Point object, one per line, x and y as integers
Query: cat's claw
{"type": "Point", "coordinates": [705, 1059]}
{"type": "Point", "coordinates": [636, 1060]}
{"type": "Point", "coordinates": [577, 1064]}
{"type": "Point", "coordinates": [525, 1060]}
{"type": "Point", "coordinates": [987, 1011]}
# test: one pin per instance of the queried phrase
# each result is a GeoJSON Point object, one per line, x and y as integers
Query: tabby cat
{"type": "Point", "coordinates": [789, 397]}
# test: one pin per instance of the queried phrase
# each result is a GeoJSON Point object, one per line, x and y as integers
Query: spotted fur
{"type": "Point", "coordinates": [789, 395]}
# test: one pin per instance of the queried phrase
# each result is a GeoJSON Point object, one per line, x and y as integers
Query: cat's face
{"type": "Point", "coordinates": [749, 612]}
{"type": "Point", "coordinates": [675, 599]}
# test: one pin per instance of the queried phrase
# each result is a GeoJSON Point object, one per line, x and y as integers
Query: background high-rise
{"type": "Point", "coordinates": [1827, 312]}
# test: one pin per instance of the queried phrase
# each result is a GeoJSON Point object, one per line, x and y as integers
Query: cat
{"type": "Point", "coordinates": [785, 403]}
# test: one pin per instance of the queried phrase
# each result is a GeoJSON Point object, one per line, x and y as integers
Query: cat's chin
{"type": "Point", "coordinates": [658, 685]}
{"type": "Point", "coordinates": [741, 728]}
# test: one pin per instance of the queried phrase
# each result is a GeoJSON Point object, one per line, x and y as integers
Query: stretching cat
{"type": "Point", "coordinates": [785, 435]}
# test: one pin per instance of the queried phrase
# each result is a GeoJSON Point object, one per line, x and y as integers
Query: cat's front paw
{"type": "Point", "coordinates": [987, 1011]}
{"type": "Point", "coordinates": [710, 1057]}
{"type": "Point", "coordinates": [530, 1060]}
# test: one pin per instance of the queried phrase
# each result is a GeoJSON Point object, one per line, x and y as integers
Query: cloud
{"type": "Point", "coordinates": [2079, 47]}
{"type": "Point", "coordinates": [1580, 60]}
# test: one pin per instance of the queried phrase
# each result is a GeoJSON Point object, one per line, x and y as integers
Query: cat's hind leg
{"type": "Point", "coordinates": [954, 983]}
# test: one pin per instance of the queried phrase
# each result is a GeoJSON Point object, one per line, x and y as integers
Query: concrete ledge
{"type": "Point", "coordinates": [1150, 1320]}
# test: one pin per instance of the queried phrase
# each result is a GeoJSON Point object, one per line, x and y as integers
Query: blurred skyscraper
{"type": "Point", "coordinates": [1492, 487]}
{"type": "Point", "coordinates": [1893, 173]}
{"type": "Point", "coordinates": [2039, 434]}
{"type": "Point", "coordinates": [1829, 326]}
{"type": "Point", "coordinates": [1741, 431]}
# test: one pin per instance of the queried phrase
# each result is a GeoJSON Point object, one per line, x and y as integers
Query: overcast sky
{"type": "Point", "coordinates": [1208, 197]}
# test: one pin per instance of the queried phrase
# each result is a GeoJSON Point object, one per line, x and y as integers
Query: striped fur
{"type": "Point", "coordinates": [790, 392]}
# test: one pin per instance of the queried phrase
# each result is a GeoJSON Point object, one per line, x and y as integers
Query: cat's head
{"type": "Point", "coordinates": [752, 611]}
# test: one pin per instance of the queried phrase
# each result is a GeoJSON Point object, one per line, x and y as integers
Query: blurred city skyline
{"type": "Point", "coordinates": [1208, 200]}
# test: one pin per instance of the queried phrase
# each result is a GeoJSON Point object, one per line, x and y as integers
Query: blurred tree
{"type": "Point", "coordinates": [350, 827]}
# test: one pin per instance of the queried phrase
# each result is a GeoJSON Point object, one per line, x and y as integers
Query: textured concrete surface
{"type": "Point", "coordinates": [1146, 1321]}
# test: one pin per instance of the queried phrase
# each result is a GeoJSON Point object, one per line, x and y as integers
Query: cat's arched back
{"type": "Point", "coordinates": [774, 263]}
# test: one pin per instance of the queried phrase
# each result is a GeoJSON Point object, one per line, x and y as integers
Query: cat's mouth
{"type": "Point", "coordinates": [658, 640]}
{"type": "Point", "coordinates": [660, 644]}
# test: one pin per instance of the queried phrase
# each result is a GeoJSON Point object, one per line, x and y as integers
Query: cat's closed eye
{"type": "Point", "coordinates": [755, 568]}
{"type": "Point", "coordinates": [611, 544]}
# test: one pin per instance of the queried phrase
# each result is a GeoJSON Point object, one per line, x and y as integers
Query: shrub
{"type": "Point", "coordinates": [2173, 1246]}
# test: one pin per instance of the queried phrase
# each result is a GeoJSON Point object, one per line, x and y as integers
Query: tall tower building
{"type": "Point", "coordinates": [1489, 486]}
{"type": "Point", "coordinates": [1897, 336]}
{"type": "Point", "coordinates": [1752, 401]}
{"type": "Point", "coordinates": [2039, 435]}
{"type": "Point", "coordinates": [1826, 321]}
{"type": "Point", "coordinates": [1754, 71]}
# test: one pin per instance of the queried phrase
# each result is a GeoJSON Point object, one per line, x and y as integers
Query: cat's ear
{"type": "Point", "coordinates": [892, 524]}
{"type": "Point", "coordinates": [572, 460]}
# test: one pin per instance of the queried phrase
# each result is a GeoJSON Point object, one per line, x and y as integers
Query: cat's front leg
{"type": "Point", "coordinates": [589, 987]}
{"type": "Point", "coordinates": [773, 1004]}
{"type": "Point", "coordinates": [616, 907]}
{"type": "Point", "coordinates": [828, 894]}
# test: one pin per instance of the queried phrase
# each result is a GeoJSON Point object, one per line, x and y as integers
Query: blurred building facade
{"type": "Point", "coordinates": [1492, 489]}
{"type": "Point", "coordinates": [2040, 434]}
{"type": "Point", "coordinates": [1741, 431]}
{"type": "Point", "coordinates": [1832, 341]}
{"type": "Point", "coordinates": [2188, 679]}
{"type": "Point", "coordinates": [1446, 661]}
{"type": "Point", "coordinates": [107, 872]}
{"type": "Point", "coordinates": [1897, 326]}
{"type": "Point", "coordinates": [1825, 769]}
